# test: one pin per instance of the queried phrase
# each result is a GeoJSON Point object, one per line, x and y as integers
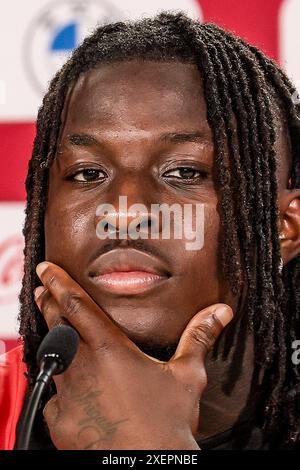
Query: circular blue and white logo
{"type": "Point", "coordinates": [57, 30]}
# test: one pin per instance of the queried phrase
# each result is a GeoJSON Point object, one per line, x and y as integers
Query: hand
{"type": "Point", "coordinates": [113, 396]}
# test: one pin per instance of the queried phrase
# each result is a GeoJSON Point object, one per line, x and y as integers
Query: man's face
{"type": "Point", "coordinates": [119, 138]}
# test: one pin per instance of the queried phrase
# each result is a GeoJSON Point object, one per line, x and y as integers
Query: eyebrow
{"type": "Point", "coordinates": [181, 137]}
{"type": "Point", "coordinates": [82, 140]}
{"type": "Point", "coordinates": [87, 140]}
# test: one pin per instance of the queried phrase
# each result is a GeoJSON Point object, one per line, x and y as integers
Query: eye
{"type": "Point", "coordinates": [89, 175]}
{"type": "Point", "coordinates": [185, 173]}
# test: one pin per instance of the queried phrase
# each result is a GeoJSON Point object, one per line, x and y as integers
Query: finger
{"type": "Point", "coordinates": [77, 307]}
{"type": "Point", "coordinates": [48, 307]}
{"type": "Point", "coordinates": [198, 338]}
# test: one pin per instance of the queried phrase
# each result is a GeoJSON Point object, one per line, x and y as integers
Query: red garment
{"type": "Point", "coordinates": [12, 393]}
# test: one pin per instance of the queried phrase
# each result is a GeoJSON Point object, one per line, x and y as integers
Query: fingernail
{"type": "Point", "coordinates": [38, 291]}
{"type": "Point", "coordinates": [224, 314]}
{"type": "Point", "coordinates": [41, 268]}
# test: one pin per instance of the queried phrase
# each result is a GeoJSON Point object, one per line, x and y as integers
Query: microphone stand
{"type": "Point", "coordinates": [49, 366]}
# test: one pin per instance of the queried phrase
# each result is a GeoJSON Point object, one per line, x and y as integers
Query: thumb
{"type": "Point", "coordinates": [200, 335]}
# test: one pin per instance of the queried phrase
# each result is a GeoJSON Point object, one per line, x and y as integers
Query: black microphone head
{"type": "Point", "coordinates": [61, 343]}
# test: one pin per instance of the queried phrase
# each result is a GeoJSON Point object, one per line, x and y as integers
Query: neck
{"type": "Point", "coordinates": [220, 410]}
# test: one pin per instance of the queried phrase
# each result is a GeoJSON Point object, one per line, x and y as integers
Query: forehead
{"type": "Point", "coordinates": [138, 94]}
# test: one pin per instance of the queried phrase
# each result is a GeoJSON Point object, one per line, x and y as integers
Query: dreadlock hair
{"type": "Point", "coordinates": [239, 80]}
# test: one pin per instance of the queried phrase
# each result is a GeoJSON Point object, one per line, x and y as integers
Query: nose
{"type": "Point", "coordinates": [127, 221]}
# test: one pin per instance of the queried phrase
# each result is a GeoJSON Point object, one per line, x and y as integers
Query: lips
{"type": "Point", "coordinates": [126, 271]}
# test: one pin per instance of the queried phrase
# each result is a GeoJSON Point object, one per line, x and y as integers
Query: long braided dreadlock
{"type": "Point", "coordinates": [239, 80]}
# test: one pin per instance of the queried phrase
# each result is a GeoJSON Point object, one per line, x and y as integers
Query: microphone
{"type": "Point", "coordinates": [54, 356]}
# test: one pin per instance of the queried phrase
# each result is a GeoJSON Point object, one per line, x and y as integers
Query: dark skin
{"type": "Point", "coordinates": [127, 107]}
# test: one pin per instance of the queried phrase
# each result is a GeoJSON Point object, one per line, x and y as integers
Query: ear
{"type": "Point", "coordinates": [289, 212]}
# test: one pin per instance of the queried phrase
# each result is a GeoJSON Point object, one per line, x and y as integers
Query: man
{"type": "Point", "coordinates": [167, 111]}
